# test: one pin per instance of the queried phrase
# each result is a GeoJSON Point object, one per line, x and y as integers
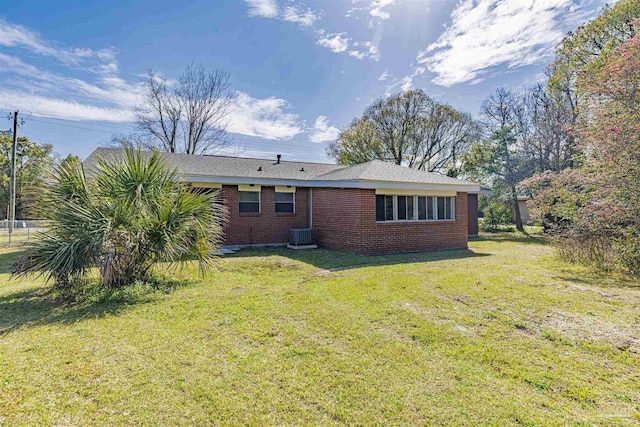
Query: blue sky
{"type": "Point", "coordinates": [302, 69]}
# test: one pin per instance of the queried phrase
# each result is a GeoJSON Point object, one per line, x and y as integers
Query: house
{"type": "Point", "coordinates": [371, 208]}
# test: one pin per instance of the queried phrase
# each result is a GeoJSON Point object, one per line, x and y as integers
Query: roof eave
{"type": "Point", "coordinates": [311, 182]}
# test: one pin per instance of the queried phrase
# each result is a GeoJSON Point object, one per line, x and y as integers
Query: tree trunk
{"type": "Point", "coordinates": [516, 209]}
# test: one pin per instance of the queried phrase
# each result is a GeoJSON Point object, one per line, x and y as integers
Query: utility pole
{"type": "Point", "coordinates": [12, 193]}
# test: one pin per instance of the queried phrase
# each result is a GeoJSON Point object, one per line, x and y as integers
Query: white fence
{"type": "Point", "coordinates": [23, 230]}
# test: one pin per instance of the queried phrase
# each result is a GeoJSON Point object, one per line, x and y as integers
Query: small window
{"type": "Point", "coordinates": [430, 215]}
{"type": "Point", "coordinates": [249, 201]}
{"type": "Point", "coordinates": [445, 208]}
{"type": "Point", "coordinates": [448, 204]}
{"type": "Point", "coordinates": [388, 208]}
{"type": "Point", "coordinates": [385, 208]}
{"type": "Point", "coordinates": [285, 202]}
{"type": "Point", "coordinates": [380, 208]}
{"type": "Point", "coordinates": [410, 208]}
{"type": "Point", "coordinates": [405, 208]}
{"type": "Point", "coordinates": [441, 211]}
{"type": "Point", "coordinates": [422, 208]}
{"type": "Point", "coordinates": [402, 207]}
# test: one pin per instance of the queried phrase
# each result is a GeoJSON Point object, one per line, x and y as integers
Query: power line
{"type": "Point", "coordinates": [55, 117]}
{"type": "Point", "coordinates": [71, 126]}
{"type": "Point", "coordinates": [255, 143]}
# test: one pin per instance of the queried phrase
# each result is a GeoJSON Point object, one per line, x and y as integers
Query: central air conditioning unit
{"type": "Point", "coordinates": [300, 237]}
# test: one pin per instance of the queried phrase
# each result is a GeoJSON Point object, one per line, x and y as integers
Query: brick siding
{"type": "Point", "coordinates": [266, 226]}
{"type": "Point", "coordinates": [345, 219]}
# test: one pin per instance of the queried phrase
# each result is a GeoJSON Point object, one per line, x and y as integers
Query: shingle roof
{"type": "Point", "coordinates": [377, 170]}
{"type": "Point", "coordinates": [187, 164]}
{"type": "Point", "coordinates": [239, 167]}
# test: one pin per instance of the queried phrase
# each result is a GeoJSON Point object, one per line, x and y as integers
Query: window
{"type": "Point", "coordinates": [384, 208]}
{"type": "Point", "coordinates": [414, 208]}
{"type": "Point", "coordinates": [388, 208]}
{"type": "Point", "coordinates": [249, 201]}
{"type": "Point", "coordinates": [405, 208]}
{"type": "Point", "coordinates": [422, 208]}
{"type": "Point", "coordinates": [430, 211]}
{"type": "Point", "coordinates": [402, 207]}
{"type": "Point", "coordinates": [285, 202]}
{"type": "Point", "coordinates": [441, 213]}
{"type": "Point", "coordinates": [448, 205]}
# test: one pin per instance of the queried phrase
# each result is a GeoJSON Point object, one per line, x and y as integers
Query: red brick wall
{"type": "Point", "coordinates": [473, 214]}
{"type": "Point", "coordinates": [345, 219]}
{"type": "Point", "coordinates": [267, 226]}
{"type": "Point", "coordinates": [336, 217]}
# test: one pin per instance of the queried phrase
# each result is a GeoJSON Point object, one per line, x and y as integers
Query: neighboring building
{"type": "Point", "coordinates": [371, 208]}
{"type": "Point", "coordinates": [524, 209]}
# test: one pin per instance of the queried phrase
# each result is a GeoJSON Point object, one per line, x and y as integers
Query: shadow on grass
{"type": "Point", "coordinates": [589, 277]}
{"type": "Point", "coordinates": [328, 259]}
{"type": "Point", "coordinates": [43, 306]}
{"type": "Point", "coordinates": [528, 239]}
{"type": "Point", "coordinates": [7, 259]}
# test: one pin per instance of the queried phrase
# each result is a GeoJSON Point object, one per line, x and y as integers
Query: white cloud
{"type": "Point", "coordinates": [262, 118]}
{"type": "Point", "coordinates": [384, 76]}
{"type": "Point", "coordinates": [336, 42]}
{"type": "Point", "coordinates": [406, 82]}
{"type": "Point", "coordinates": [41, 91]}
{"type": "Point", "coordinates": [487, 33]}
{"type": "Point", "coordinates": [17, 36]}
{"type": "Point", "coordinates": [322, 132]}
{"type": "Point", "coordinates": [294, 14]}
{"type": "Point", "coordinates": [307, 18]}
{"type": "Point", "coordinates": [100, 96]}
{"type": "Point", "coordinates": [264, 8]}
{"type": "Point", "coordinates": [377, 7]}
{"type": "Point", "coordinates": [70, 110]}
{"type": "Point", "coordinates": [365, 50]}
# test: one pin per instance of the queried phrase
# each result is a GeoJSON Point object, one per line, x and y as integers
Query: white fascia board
{"type": "Point", "coordinates": [386, 185]}
{"type": "Point", "coordinates": [234, 180]}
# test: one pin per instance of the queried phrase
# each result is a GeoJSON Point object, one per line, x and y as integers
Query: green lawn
{"type": "Point", "coordinates": [501, 334]}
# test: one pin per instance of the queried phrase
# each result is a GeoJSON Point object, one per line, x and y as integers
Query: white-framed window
{"type": "Point", "coordinates": [414, 208]}
{"type": "Point", "coordinates": [285, 202]}
{"type": "Point", "coordinates": [249, 201]}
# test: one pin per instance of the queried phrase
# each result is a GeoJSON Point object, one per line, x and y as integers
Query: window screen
{"type": "Point", "coordinates": [422, 208]}
{"type": "Point", "coordinates": [249, 201]}
{"type": "Point", "coordinates": [410, 208]}
{"type": "Point", "coordinates": [441, 209]}
{"type": "Point", "coordinates": [449, 208]}
{"type": "Point", "coordinates": [388, 208]}
{"type": "Point", "coordinates": [380, 208]}
{"type": "Point", "coordinates": [430, 214]}
{"type": "Point", "coordinates": [285, 202]}
{"type": "Point", "coordinates": [402, 207]}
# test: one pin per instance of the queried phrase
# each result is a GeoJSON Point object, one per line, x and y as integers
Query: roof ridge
{"type": "Point", "coordinates": [229, 157]}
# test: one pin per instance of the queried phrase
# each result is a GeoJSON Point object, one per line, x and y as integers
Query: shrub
{"type": "Point", "coordinates": [593, 250]}
{"type": "Point", "coordinates": [497, 215]}
{"type": "Point", "coordinates": [131, 213]}
{"type": "Point", "coordinates": [627, 250]}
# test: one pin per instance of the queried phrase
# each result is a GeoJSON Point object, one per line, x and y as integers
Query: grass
{"type": "Point", "coordinates": [501, 334]}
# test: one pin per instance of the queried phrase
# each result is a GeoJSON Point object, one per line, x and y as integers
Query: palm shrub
{"type": "Point", "coordinates": [130, 213]}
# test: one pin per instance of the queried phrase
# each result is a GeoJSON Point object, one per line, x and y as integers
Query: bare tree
{"type": "Point", "coordinates": [501, 156]}
{"type": "Point", "coordinates": [408, 129]}
{"type": "Point", "coordinates": [552, 145]}
{"type": "Point", "coordinates": [189, 116]}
